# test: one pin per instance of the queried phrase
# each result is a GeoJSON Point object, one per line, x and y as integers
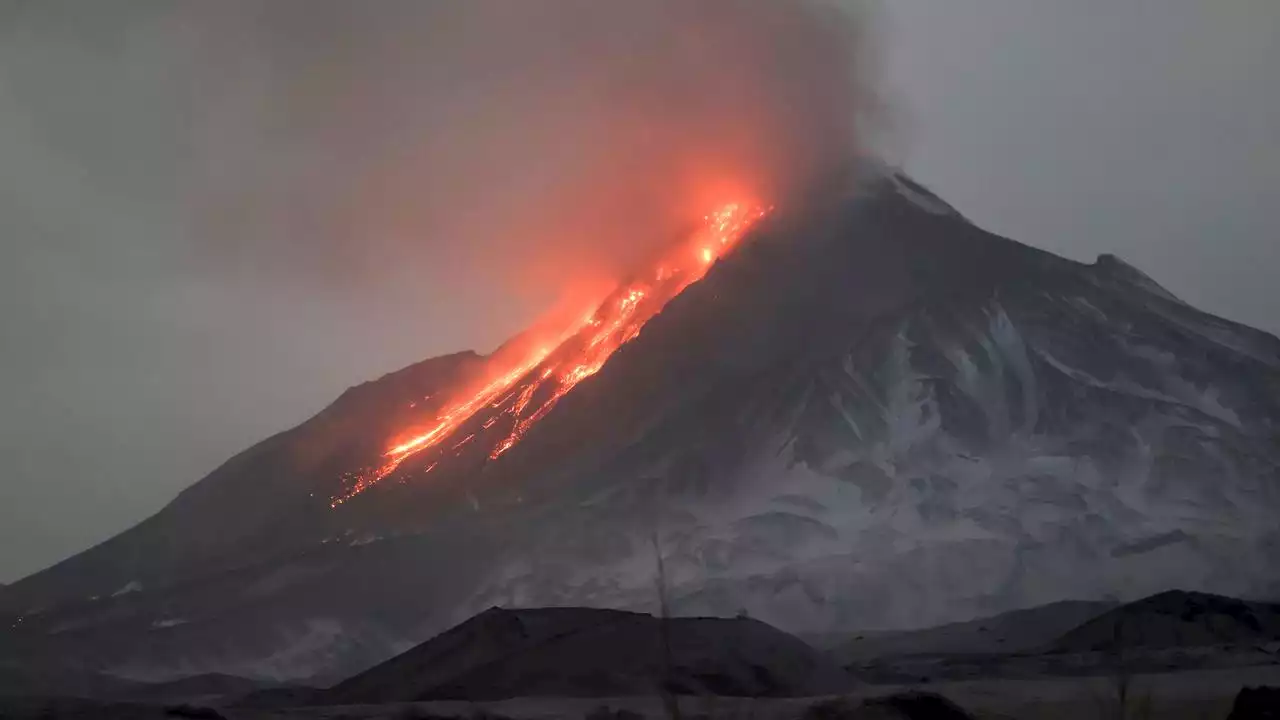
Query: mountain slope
{"type": "Point", "coordinates": [872, 414]}
{"type": "Point", "coordinates": [1017, 631]}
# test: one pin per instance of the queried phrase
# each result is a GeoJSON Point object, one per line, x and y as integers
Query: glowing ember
{"type": "Point", "coordinates": [526, 388]}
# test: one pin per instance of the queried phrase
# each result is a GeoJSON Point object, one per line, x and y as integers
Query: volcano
{"type": "Point", "coordinates": [860, 412]}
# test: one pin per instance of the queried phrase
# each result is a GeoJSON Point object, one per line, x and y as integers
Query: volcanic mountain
{"type": "Point", "coordinates": [862, 411]}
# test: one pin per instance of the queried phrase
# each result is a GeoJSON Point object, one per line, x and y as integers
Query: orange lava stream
{"type": "Point", "coordinates": [528, 388]}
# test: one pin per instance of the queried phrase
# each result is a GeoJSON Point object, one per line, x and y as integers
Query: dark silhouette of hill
{"type": "Point", "coordinates": [1256, 703]}
{"type": "Point", "coordinates": [206, 688]}
{"type": "Point", "coordinates": [1176, 619]}
{"type": "Point", "coordinates": [18, 679]}
{"type": "Point", "coordinates": [578, 652]}
{"type": "Point", "coordinates": [1015, 631]}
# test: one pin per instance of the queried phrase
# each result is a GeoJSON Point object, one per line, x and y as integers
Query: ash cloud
{"type": "Point", "coordinates": [524, 145]}
{"type": "Point", "coordinates": [219, 215]}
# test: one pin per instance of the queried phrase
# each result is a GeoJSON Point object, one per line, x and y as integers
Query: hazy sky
{"type": "Point", "coordinates": [214, 217]}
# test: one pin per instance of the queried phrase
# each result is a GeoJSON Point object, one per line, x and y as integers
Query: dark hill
{"type": "Point", "coordinates": [1177, 619]}
{"type": "Point", "coordinates": [1016, 631]}
{"type": "Point", "coordinates": [579, 652]}
{"type": "Point", "coordinates": [18, 679]}
{"type": "Point", "coordinates": [206, 688]}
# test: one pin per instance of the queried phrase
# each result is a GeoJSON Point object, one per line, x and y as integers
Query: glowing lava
{"type": "Point", "coordinates": [523, 389]}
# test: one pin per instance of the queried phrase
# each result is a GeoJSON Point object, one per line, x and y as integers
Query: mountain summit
{"type": "Point", "coordinates": [869, 414]}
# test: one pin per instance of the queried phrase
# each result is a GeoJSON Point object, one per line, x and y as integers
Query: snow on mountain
{"type": "Point", "coordinates": [872, 414]}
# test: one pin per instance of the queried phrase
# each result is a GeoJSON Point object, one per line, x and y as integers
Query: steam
{"type": "Point", "coordinates": [526, 148]}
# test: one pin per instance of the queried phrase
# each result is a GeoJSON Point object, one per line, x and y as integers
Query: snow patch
{"type": "Point", "coordinates": [130, 587]}
{"type": "Point", "coordinates": [304, 653]}
{"type": "Point", "coordinates": [919, 196]}
{"type": "Point", "coordinates": [1206, 402]}
{"type": "Point", "coordinates": [1084, 304]}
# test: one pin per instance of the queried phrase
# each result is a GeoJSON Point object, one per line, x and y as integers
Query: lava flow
{"type": "Point", "coordinates": [521, 391]}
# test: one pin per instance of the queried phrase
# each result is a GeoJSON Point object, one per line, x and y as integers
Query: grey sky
{"type": "Point", "coordinates": [179, 278]}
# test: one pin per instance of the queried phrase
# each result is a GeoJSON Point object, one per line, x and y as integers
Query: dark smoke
{"type": "Point", "coordinates": [221, 214]}
{"type": "Point", "coordinates": [523, 145]}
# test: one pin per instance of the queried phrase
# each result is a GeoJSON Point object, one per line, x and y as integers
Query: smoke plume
{"type": "Point", "coordinates": [528, 147]}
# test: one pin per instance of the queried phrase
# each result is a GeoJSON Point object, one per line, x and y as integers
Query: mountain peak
{"type": "Point", "coordinates": [1112, 266]}
{"type": "Point", "coordinates": [881, 177]}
